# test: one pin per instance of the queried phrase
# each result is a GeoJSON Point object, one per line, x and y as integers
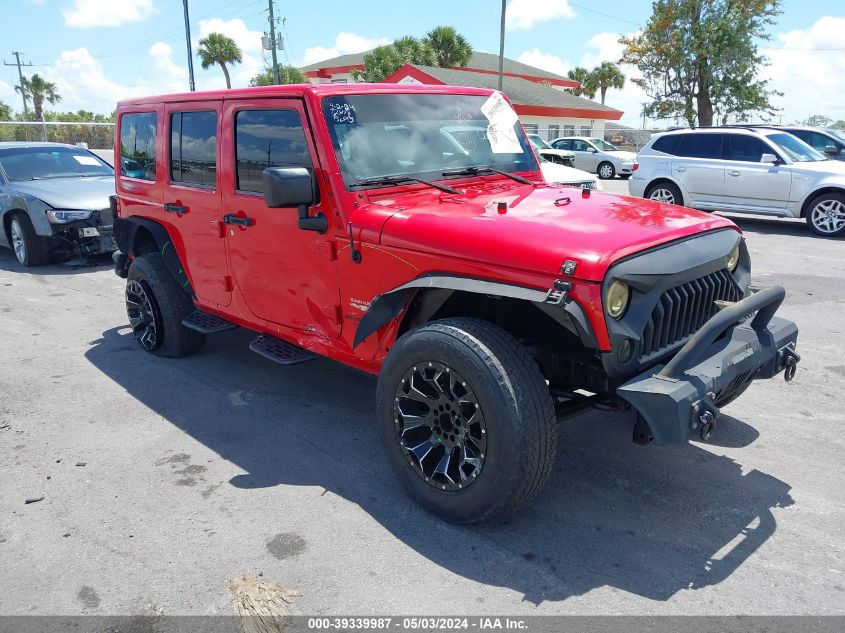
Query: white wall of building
{"type": "Point", "coordinates": [552, 127]}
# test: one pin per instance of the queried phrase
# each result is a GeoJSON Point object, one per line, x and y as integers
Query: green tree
{"type": "Point", "coordinates": [450, 47]}
{"type": "Point", "coordinates": [699, 59]}
{"type": "Point", "coordinates": [287, 75]}
{"type": "Point", "coordinates": [586, 79]}
{"type": "Point", "coordinates": [5, 111]}
{"type": "Point", "coordinates": [219, 49]}
{"type": "Point", "coordinates": [839, 125]}
{"type": "Point", "coordinates": [383, 61]}
{"type": "Point", "coordinates": [605, 76]}
{"type": "Point", "coordinates": [40, 90]}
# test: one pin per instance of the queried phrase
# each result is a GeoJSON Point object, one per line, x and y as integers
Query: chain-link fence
{"type": "Point", "coordinates": [92, 135]}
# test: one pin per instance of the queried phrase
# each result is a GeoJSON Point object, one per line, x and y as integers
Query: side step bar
{"type": "Point", "coordinates": [206, 323]}
{"type": "Point", "coordinates": [279, 351]}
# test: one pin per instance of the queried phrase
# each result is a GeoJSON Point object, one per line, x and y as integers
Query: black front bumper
{"type": "Point", "coordinates": [716, 365]}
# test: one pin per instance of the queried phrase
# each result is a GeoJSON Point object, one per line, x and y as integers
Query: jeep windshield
{"type": "Point", "coordinates": [424, 135]}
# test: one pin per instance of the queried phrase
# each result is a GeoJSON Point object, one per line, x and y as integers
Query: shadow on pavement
{"type": "Point", "coordinates": [647, 520]}
{"type": "Point", "coordinates": [73, 265]}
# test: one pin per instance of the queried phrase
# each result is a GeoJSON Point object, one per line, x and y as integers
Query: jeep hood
{"type": "Point", "coordinates": [541, 228]}
{"type": "Point", "coordinates": [90, 194]}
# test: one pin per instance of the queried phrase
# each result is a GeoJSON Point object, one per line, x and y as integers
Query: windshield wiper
{"type": "Point", "coordinates": [475, 171]}
{"type": "Point", "coordinates": [395, 180]}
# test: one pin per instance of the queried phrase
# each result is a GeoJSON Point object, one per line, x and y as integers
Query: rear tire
{"type": "Point", "coordinates": [466, 388]}
{"type": "Point", "coordinates": [606, 171]}
{"type": "Point", "coordinates": [826, 215]}
{"type": "Point", "coordinates": [156, 306]}
{"type": "Point", "coordinates": [30, 248]}
{"type": "Point", "coordinates": [665, 192]}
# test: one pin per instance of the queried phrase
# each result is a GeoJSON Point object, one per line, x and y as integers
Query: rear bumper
{"type": "Point", "coordinates": [713, 368]}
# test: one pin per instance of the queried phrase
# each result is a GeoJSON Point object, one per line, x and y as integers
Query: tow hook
{"type": "Point", "coordinates": [790, 363]}
{"type": "Point", "coordinates": [707, 414]}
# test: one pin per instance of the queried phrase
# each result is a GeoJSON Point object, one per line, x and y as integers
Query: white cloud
{"type": "Point", "coordinates": [545, 61]}
{"type": "Point", "coordinates": [161, 55]}
{"type": "Point", "coordinates": [807, 71]}
{"type": "Point", "coordinates": [344, 44]}
{"type": "Point", "coordinates": [9, 96]}
{"type": "Point", "coordinates": [247, 40]}
{"type": "Point", "coordinates": [524, 14]}
{"type": "Point", "coordinates": [90, 13]}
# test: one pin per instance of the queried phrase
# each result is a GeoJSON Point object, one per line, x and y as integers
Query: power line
{"type": "Point", "coordinates": [21, 88]}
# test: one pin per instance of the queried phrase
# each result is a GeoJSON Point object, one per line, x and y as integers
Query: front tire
{"type": "Point", "coordinates": [29, 247]}
{"type": "Point", "coordinates": [467, 419]}
{"type": "Point", "coordinates": [665, 192]}
{"type": "Point", "coordinates": [156, 306]}
{"type": "Point", "coordinates": [826, 215]}
{"type": "Point", "coordinates": [606, 171]}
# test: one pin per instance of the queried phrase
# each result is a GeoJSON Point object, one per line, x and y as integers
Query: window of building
{"type": "Point", "coordinates": [340, 81]}
{"type": "Point", "coordinates": [267, 138]}
{"type": "Point", "coordinates": [554, 132]}
{"type": "Point", "coordinates": [586, 130]}
{"type": "Point", "coordinates": [701, 145]}
{"type": "Point", "coordinates": [530, 128]}
{"type": "Point", "coordinates": [138, 145]}
{"type": "Point", "coordinates": [746, 148]}
{"type": "Point", "coordinates": [193, 148]}
{"type": "Point", "coordinates": [569, 130]}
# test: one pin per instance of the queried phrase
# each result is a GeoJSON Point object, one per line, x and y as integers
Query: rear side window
{"type": "Point", "coordinates": [138, 145]}
{"type": "Point", "coordinates": [562, 145]}
{"type": "Point", "coordinates": [701, 146]}
{"type": "Point", "coordinates": [814, 139]}
{"type": "Point", "coordinates": [745, 148]}
{"type": "Point", "coordinates": [667, 144]}
{"type": "Point", "coordinates": [267, 138]}
{"type": "Point", "coordinates": [193, 148]}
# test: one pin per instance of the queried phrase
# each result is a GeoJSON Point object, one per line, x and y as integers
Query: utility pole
{"type": "Point", "coordinates": [502, 44]}
{"type": "Point", "coordinates": [18, 63]}
{"type": "Point", "coordinates": [276, 78]}
{"type": "Point", "coordinates": [188, 43]}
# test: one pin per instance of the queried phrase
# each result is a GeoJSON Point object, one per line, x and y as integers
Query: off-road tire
{"type": "Point", "coordinates": [170, 305]}
{"type": "Point", "coordinates": [834, 227]}
{"type": "Point", "coordinates": [672, 188]}
{"type": "Point", "coordinates": [518, 411]}
{"type": "Point", "coordinates": [35, 248]}
{"type": "Point", "coordinates": [608, 175]}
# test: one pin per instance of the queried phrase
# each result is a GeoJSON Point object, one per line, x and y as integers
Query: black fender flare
{"type": "Point", "coordinates": [125, 230]}
{"type": "Point", "coordinates": [389, 305]}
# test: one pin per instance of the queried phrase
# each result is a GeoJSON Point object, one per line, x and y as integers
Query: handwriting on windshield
{"type": "Point", "coordinates": [342, 113]}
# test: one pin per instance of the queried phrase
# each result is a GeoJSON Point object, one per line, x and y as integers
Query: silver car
{"type": "Point", "coordinates": [597, 156]}
{"type": "Point", "coordinates": [744, 170]}
{"type": "Point", "coordinates": [54, 199]}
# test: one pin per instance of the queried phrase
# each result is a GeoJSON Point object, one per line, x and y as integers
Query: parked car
{"type": "Point", "coordinates": [744, 170]}
{"type": "Point", "coordinates": [560, 156]}
{"type": "Point", "coordinates": [831, 143]}
{"type": "Point", "coordinates": [54, 197]}
{"type": "Point", "coordinates": [341, 221]}
{"type": "Point", "coordinates": [597, 156]}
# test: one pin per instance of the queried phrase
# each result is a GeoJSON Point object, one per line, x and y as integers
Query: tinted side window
{"type": "Point", "coordinates": [814, 139]}
{"type": "Point", "coordinates": [562, 145]}
{"type": "Point", "coordinates": [193, 148]}
{"type": "Point", "coordinates": [267, 138]}
{"type": "Point", "coordinates": [580, 146]}
{"type": "Point", "coordinates": [746, 148]}
{"type": "Point", "coordinates": [667, 144]}
{"type": "Point", "coordinates": [701, 146]}
{"type": "Point", "coordinates": [138, 145]}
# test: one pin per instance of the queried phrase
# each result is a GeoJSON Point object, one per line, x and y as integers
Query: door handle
{"type": "Point", "coordinates": [733, 173]}
{"type": "Point", "coordinates": [235, 219]}
{"type": "Point", "coordinates": [680, 169]}
{"type": "Point", "coordinates": [173, 207]}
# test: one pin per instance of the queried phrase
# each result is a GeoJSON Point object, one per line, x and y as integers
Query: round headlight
{"type": "Point", "coordinates": [733, 259]}
{"type": "Point", "coordinates": [616, 299]}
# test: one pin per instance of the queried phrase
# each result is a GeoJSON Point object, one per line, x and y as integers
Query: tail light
{"type": "Point", "coordinates": [635, 167]}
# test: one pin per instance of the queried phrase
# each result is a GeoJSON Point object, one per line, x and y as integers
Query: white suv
{"type": "Point", "coordinates": [744, 170]}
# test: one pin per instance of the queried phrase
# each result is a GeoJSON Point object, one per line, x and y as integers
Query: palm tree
{"type": "Point", "coordinates": [586, 79]}
{"type": "Point", "coordinates": [219, 49]}
{"type": "Point", "coordinates": [287, 75]}
{"type": "Point", "coordinates": [450, 47]}
{"type": "Point", "coordinates": [607, 76]}
{"type": "Point", "coordinates": [39, 89]}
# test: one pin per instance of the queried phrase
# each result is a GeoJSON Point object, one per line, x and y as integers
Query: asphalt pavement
{"type": "Point", "coordinates": [162, 480]}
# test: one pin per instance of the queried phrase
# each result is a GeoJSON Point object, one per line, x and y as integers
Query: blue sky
{"type": "Point", "coordinates": [99, 51]}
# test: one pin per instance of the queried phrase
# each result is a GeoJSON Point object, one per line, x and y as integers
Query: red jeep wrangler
{"type": "Point", "coordinates": [406, 231]}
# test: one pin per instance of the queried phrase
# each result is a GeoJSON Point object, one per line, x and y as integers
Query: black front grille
{"type": "Point", "coordinates": [682, 310]}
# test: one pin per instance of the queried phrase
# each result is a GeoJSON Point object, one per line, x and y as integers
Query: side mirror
{"type": "Point", "coordinates": [294, 187]}
{"type": "Point", "coordinates": [288, 187]}
{"type": "Point", "coordinates": [769, 158]}
{"type": "Point", "coordinates": [831, 150]}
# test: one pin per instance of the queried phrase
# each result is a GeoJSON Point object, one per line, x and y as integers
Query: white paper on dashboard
{"type": "Point", "coordinates": [87, 160]}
